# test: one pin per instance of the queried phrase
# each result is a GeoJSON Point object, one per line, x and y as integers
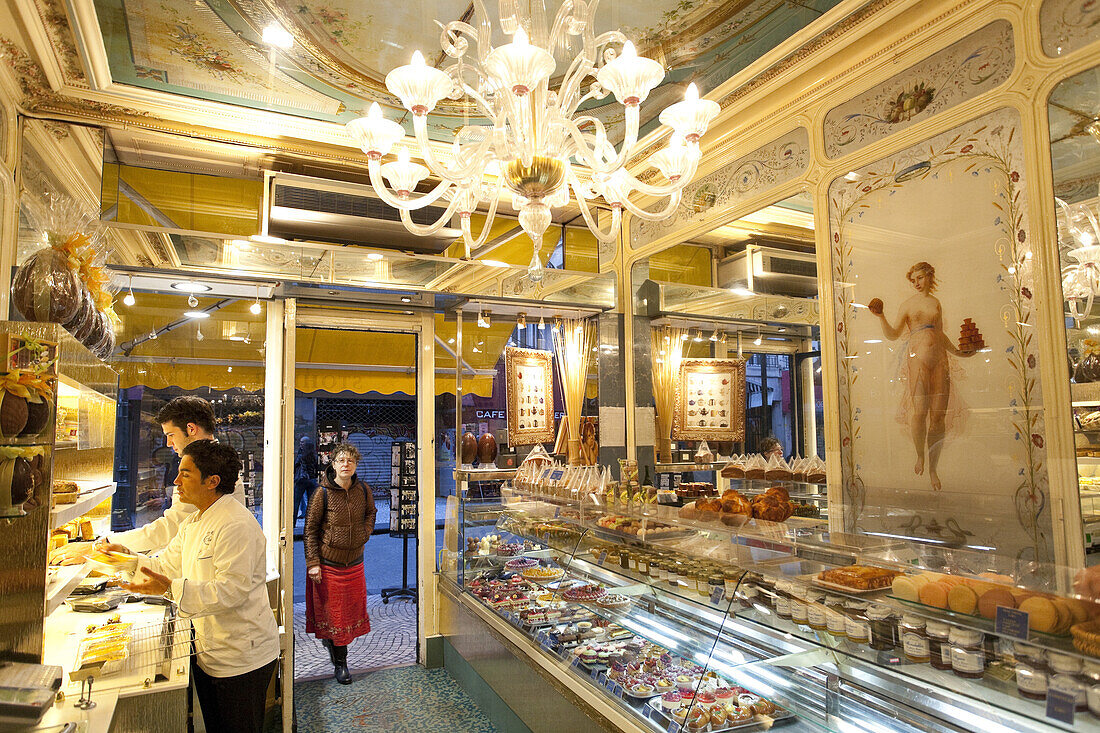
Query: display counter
{"type": "Point", "coordinates": [623, 604]}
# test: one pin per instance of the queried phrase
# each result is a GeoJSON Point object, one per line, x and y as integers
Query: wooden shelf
{"type": "Point", "coordinates": [90, 496]}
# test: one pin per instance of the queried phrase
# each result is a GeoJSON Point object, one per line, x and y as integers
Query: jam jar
{"type": "Point", "coordinates": [884, 628]}
{"type": "Point", "coordinates": [834, 615]}
{"type": "Point", "coordinates": [815, 611]}
{"type": "Point", "coordinates": [968, 653]}
{"type": "Point", "coordinates": [914, 638]}
{"type": "Point", "coordinates": [1091, 673]}
{"type": "Point", "coordinates": [1031, 671]}
{"type": "Point", "coordinates": [856, 625]}
{"type": "Point", "coordinates": [783, 599]}
{"type": "Point", "coordinates": [748, 595]}
{"type": "Point", "coordinates": [1066, 674]}
{"type": "Point", "coordinates": [715, 583]}
{"type": "Point", "coordinates": [939, 644]}
{"type": "Point", "coordinates": [799, 611]}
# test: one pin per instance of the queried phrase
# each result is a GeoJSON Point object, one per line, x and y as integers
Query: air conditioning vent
{"type": "Point", "coordinates": [771, 271]}
{"type": "Point", "coordinates": [779, 265]}
{"type": "Point", "coordinates": [319, 210]}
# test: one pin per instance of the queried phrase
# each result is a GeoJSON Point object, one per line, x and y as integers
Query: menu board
{"type": "Point", "coordinates": [710, 400]}
{"type": "Point", "coordinates": [530, 396]}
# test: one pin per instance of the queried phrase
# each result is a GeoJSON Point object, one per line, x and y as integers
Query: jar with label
{"type": "Point", "coordinates": [643, 565]}
{"type": "Point", "coordinates": [815, 611]}
{"type": "Point", "coordinates": [968, 657]}
{"type": "Point", "coordinates": [856, 626]}
{"type": "Point", "coordinates": [1091, 672]}
{"type": "Point", "coordinates": [834, 615]}
{"type": "Point", "coordinates": [702, 586]}
{"type": "Point", "coordinates": [799, 611]}
{"type": "Point", "coordinates": [1066, 674]}
{"type": "Point", "coordinates": [731, 578]}
{"type": "Point", "coordinates": [679, 576]}
{"type": "Point", "coordinates": [914, 638]}
{"type": "Point", "coordinates": [1031, 671]}
{"type": "Point", "coordinates": [783, 599]}
{"type": "Point", "coordinates": [715, 583]}
{"type": "Point", "coordinates": [767, 592]}
{"type": "Point", "coordinates": [884, 628]}
{"type": "Point", "coordinates": [624, 560]}
{"type": "Point", "coordinates": [939, 644]}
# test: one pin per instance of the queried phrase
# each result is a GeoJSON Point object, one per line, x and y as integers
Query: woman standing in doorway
{"type": "Point", "coordinates": [925, 369]}
{"type": "Point", "coordinates": [339, 521]}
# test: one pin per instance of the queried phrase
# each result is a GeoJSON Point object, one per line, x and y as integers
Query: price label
{"type": "Point", "coordinates": [617, 690]}
{"type": "Point", "coordinates": [556, 475]}
{"type": "Point", "coordinates": [716, 595]}
{"type": "Point", "coordinates": [609, 683]}
{"type": "Point", "coordinates": [576, 662]}
{"type": "Point", "coordinates": [1061, 704]}
{"type": "Point", "coordinates": [673, 727]}
{"type": "Point", "coordinates": [1012, 622]}
{"type": "Point", "coordinates": [603, 556]}
{"type": "Point", "coordinates": [557, 512]}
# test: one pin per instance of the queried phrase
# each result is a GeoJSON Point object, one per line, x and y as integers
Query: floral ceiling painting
{"type": "Point", "coordinates": [936, 325]}
{"type": "Point", "coordinates": [213, 49]}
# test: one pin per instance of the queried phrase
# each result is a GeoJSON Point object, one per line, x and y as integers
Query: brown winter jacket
{"type": "Point", "coordinates": [338, 527]}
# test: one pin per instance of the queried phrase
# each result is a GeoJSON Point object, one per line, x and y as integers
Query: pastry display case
{"type": "Point", "coordinates": [687, 623]}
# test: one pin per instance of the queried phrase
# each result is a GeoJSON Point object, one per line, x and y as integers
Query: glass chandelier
{"type": "Point", "coordinates": [1080, 228]}
{"type": "Point", "coordinates": [535, 135]}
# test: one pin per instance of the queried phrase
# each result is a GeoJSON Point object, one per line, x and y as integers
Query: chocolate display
{"type": "Point", "coordinates": [84, 318]}
{"type": "Point", "coordinates": [469, 449]}
{"type": "Point", "coordinates": [97, 332]}
{"type": "Point", "coordinates": [970, 338]}
{"type": "Point", "coordinates": [486, 449]}
{"type": "Point", "coordinates": [16, 485]}
{"type": "Point", "coordinates": [13, 414]}
{"type": "Point", "coordinates": [46, 288]}
{"type": "Point", "coordinates": [38, 416]}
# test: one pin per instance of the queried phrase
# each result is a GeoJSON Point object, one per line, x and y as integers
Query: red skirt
{"type": "Point", "coordinates": [336, 607]}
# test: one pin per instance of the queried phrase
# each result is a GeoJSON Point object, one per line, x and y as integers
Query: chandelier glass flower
{"type": "Point", "coordinates": [1079, 229]}
{"type": "Point", "coordinates": [535, 139]}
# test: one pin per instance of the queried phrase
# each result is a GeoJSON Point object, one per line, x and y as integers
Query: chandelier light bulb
{"type": "Point", "coordinates": [691, 117]}
{"type": "Point", "coordinates": [198, 333]}
{"type": "Point", "coordinates": [375, 134]}
{"type": "Point", "coordinates": [677, 159]}
{"type": "Point", "coordinates": [518, 65]}
{"type": "Point", "coordinates": [403, 174]}
{"type": "Point", "coordinates": [630, 77]}
{"type": "Point", "coordinates": [757, 340]}
{"type": "Point", "coordinates": [128, 299]}
{"type": "Point", "coordinates": [419, 86]}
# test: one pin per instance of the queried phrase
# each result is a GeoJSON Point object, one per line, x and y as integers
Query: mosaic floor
{"type": "Point", "coordinates": [405, 700]}
{"type": "Point", "coordinates": [391, 641]}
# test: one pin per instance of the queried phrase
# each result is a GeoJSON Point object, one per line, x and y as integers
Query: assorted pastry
{"type": "Point", "coordinates": [640, 528]}
{"type": "Point", "coordinates": [753, 466]}
{"type": "Point", "coordinates": [733, 509]}
{"type": "Point", "coordinates": [859, 577]}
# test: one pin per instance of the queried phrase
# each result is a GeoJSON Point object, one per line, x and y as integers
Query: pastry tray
{"type": "Point", "coordinates": [816, 582]}
{"type": "Point", "coordinates": [759, 721]}
{"type": "Point", "coordinates": [638, 539]}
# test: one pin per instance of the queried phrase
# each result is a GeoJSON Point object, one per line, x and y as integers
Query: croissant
{"type": "Point", "coordinates": [779, 492]}
{"type": "Point", "coordinates": [771, 510]}
{"type": "Point", "coordinates": [689, 511]}
{"type": "Point", "coordinates": [736, 504]}
{"type": "Point", "coordinates": [708, 508]}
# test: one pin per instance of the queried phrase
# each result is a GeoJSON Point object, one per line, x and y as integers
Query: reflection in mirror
{"type": "Point", "coordinates": [745, 289]}
{"type": "Point", "coordinates": [1073, 109]}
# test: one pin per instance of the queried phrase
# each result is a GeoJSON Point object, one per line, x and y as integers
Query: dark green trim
{"type": "Point", "coordinates": [433, 652]}
{"type": "Point", "coordinates": [490, 703]}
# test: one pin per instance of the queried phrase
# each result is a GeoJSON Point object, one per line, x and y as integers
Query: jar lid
{"type": "Point", "coordinates": [853, 605]}
{"type": "Point", "coordinates": [966, 637]}
{"type": "Point", "coordinates": [940, 629]}
{"type": "Point", "coordinates": [1065, 663]}
{"type": "Point", "coordinates": [879, 613]}
{"type": "Point", "coordinates": [912, 619]}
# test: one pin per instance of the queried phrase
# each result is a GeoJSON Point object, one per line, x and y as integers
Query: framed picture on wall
{"type": "Point", "coordinates": [710, 400]}
{"type": "Point", "coordinates": [529, 377]}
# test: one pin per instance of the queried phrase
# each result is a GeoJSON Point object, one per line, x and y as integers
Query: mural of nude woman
{"type": "Point", "coordinates": [926, 364]}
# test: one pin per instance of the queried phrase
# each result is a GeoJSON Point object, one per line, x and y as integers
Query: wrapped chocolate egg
{"type": "Point", "coordinates": [13, 414]}
{"type": "Point", "coordinates": [486, 449]}
{"type": "Point", "coordinates": [86, 315]}
{"type": "Point", "coordinates": [97, 332]}
{"type": "Point", "coordinates": [16, 485]}
{"type": "Point", "coordinates": [39, 415]}
{"type": "Point", "coordinates": [106, 347]}
{"type": "Point", "coordinates": [46, 288]}
{"type": "Point", "coordinates": [469, 449]}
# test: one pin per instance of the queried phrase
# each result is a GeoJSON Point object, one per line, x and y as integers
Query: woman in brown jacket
{"type": "Point", "coordinates": [339, 521]}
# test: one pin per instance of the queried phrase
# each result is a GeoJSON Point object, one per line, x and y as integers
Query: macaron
{"type": "Point", "coordinates": [934, 594]}
{"type": "Point", "coordinates": [988, 602]}
{"type": "Point", "coordinates": [906, 589]}
{"type": "Point", "coordinates": [962, 599]}
{"type": "Point", "coordinates": [1042, 615]}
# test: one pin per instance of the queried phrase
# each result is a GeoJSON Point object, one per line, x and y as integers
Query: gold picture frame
{"type": "Point", "coordinates": [710, 400]}
{"type": "Point", "coordinates": [530, 385]}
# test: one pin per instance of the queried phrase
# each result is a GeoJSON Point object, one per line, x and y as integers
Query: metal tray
{"type": "Point", "coordinates": [759, 721]}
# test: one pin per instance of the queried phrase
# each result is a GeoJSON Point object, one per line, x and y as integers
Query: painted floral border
{"type": "Point", "coordinates": [982, 146]}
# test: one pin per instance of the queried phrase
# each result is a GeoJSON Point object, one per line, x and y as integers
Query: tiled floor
{"type": "Point", "coordinates": [391, 641]}
{"type": "Point", "coordinates": [406, 700]}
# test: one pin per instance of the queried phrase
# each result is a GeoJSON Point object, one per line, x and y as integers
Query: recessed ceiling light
{"type": "Point", "coordinates": [197, 314]}
{"type": "Point", "coordinates": [374, 256]}
{"type": "Point", "coordinates": [190, 287]}
{"type": "Point", "coordinates": [406, 299]}
{"type": "Point", "coordinates": [276, 35]}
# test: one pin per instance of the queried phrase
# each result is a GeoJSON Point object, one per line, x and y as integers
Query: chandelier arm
{"type": "Point", "coordinates": [664, 190]}
{"type": "Point", "coordinates": [485, 31]}
{"type": "Point", "coordinates": [569, 97]}
{"type": "Point", "coordinates": [490, 216]}
{"type": "Point", "coordinates": [638, 211]}
{"type": "Point", "coordinates": [422, 230]}
{"type": "Point", "coordinates": [629, 141]}
{"type": "Point", "coordinates": [557, 29]}
{"type": "Point", "coordinates": [616, 217]}
{"type": "Point", "coordinates": [450, 175]}
{"type": "Point", "coordinates": [374, 168]}
{"type": "Point", "coordinates": [452, 33]}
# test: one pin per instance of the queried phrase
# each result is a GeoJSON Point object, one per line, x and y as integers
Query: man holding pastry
{"type": "Point", "coordinates": [216, 569]}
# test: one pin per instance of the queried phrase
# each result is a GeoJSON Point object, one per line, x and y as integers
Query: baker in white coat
{"type": "Point", "coordinates": [215, 568]}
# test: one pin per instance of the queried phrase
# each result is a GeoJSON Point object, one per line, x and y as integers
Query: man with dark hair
{"type": "Point", "coordinates": [184, 420]}
{"type": "Point", "coordinates": [216, 570]}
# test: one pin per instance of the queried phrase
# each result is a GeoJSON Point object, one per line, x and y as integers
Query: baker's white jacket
{"type": "Point", "coordinates": [217, 563]}
{"type": "Point", "coordinates": [157, 534]}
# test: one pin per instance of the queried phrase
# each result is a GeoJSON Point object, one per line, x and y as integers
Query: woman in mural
{"type": "Point", "coordinates": [927, 403]}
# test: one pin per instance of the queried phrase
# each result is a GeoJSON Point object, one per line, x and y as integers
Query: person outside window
{"type": "Point", "coordinates": [339, 521]}
{"type": "Point", "coordinates": [305, 473]}
{"type": "Point", "coordinates": [771, 446]}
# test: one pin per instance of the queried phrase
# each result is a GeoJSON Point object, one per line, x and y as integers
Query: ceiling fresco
{"type": "Point", "coordinates": [213, 49]}
{"type": "Point", "coordinates": [1075, 154]}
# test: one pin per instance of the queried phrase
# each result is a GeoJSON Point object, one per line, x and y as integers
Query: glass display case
{"type": "Point", "coordinates": [667, 614]}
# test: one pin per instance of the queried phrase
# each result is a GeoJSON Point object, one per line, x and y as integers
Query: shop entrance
{"type": "Point", "coordinates": [355, 383]}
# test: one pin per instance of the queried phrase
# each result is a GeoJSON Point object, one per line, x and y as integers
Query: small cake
{"type": "Point", "coordinates": [670, 701]}
{"type": "Point", "coordinates": [724, 696]}
{"type": "Point", "coordinates": [705, 699]}
{"type": "Point", "coordinates": [717, 717]}
{"type": "Point", "coordinates": [970, 339]}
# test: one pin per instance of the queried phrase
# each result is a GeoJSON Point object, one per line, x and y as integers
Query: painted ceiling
{"type": "Point", "coordinates": [1075, 154]}
{"type": "Point", "coordinates": [213, 49]}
